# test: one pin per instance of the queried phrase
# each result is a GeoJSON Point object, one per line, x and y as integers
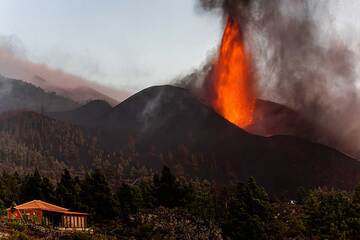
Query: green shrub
{"type": "Point", "coordinates": [17, 226]}
{"type": "Point", "coordinates": [19, 236]}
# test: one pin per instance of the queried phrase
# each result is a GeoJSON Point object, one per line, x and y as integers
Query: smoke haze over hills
{"type": "Point", "coordinates": [15, 64]}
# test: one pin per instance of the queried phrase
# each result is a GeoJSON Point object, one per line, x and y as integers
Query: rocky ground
{"type": "Point", "coordinates": [177, 224]}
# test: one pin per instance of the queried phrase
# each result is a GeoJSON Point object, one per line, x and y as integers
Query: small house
{"type": "Point", "coordinates": [40, 212]}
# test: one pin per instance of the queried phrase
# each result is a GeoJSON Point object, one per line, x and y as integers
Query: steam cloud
{"type": "Point", "coordinates": [296, 64]}
{"type": "Point", "coordinates": [15, 64]}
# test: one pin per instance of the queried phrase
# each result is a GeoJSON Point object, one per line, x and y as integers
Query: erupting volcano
{"type": "Point", "coordinates": [234, 94]}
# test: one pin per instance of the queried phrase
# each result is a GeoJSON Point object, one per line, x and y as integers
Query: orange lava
{"type": "Point", "coordinates": [235, 98]}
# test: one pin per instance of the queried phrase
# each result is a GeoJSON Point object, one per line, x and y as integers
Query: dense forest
{"type": "Point", "coordinates": [29, 140]}
{"type": "Point", "coordinates": [167, 207]}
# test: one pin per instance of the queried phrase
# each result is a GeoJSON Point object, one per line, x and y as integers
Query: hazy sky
{"type": "Point", "coordinates": [133, 43]}
{"type": "Point", "coordinates": [124, 43]}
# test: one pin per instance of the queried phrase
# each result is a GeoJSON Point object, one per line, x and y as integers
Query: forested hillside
{"type": "Point", "coordinates": [17, 94]}
{"type": "Point", "coordinates": [168, 126]}
{"type": "Point", "coordinates": [31, 140]}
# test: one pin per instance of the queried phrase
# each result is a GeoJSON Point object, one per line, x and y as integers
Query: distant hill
{"type": "Point", "coordinates": [86, 115]}
{"type": "Point", "coordinates": [16, 94]}
{"type": "Point", "coordinates": [81, 95]}
{"type": "Point", "coordinates": [84, 95]}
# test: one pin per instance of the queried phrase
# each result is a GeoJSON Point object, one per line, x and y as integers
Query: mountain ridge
{"type": "Point", "coordinates": [165, 125]}
{"type": "Point", "coordinates": [86, 115]}
{"type": "Point", "coordinates": [17, 94]}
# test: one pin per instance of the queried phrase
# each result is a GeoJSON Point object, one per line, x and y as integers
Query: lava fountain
{"type": "Point", "coordinates": [234, 94]}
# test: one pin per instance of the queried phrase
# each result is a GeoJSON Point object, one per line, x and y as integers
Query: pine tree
{"type": "Point", "coordinates": [9, 188]}
{"type": "Point", "coordinates": [327, 215]}
{"type": "Point", "coordinates": [31, 187]}
{"type": "Point", "coordinates": [354, 220]}
{"type": "Point", "coordinates": [168, 192]}
{"type": "Point", "coordinates": [67, 191]}
{"type": "Point", "coordinates": [96, 196]}
{"type": "Point", "coordinates": [47, 190]}
{"type": "Point", "coordinates": [128, 200]}
{"type": "Point", "coordinates": [250, 214]}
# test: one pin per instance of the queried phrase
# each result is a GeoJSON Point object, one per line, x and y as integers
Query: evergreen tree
{"type": "Point", "coordinates": [35, 187]}
{"type": "Point", "coordinates": [67, 191]}
{"type": "Point", "coordinates": [250, 214]}
{"type": "Point", "coordinates": [96, 196]}
{"type": "Point", "coordinates": [9, 188]}
{"type": "Point", "coordinates": [327, 215]}
{"type": "Point", "coordinates": [128, 200]}
{"type": "Point", "coordinates": [146, 189]}
{"type": "Point", "coordinates": [204, 204]}
{"type": "Point", "coordinates": [47, 190]}
{"type": "Point", "coordinates": [31, 187]}
{"type": "Point", "coordinates": [167, 190]}
{"type": "Point", "coordinates": [354, 220]}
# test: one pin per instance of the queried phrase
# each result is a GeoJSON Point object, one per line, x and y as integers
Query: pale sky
{"type": "Point", "coordinates": [125, 43]}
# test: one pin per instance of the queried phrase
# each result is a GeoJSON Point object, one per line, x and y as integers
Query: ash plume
{"type": "Point", "coordinates": [296, 63]}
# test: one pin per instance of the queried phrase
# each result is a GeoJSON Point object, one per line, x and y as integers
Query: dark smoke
{"type": "Point", "coordinates": [200, 82]}
{"type": "Point", "coordinates": [297, 64]}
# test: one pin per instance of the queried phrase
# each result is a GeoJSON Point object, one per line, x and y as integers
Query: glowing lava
{"type": "Point", "coordinates": [235, 98]}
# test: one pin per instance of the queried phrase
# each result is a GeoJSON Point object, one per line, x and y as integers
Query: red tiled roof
{"type": "Point", "coordinates": [38, 204]}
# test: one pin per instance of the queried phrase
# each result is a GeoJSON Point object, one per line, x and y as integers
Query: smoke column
{"type": "Point", "coordinates": [296, 64]}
